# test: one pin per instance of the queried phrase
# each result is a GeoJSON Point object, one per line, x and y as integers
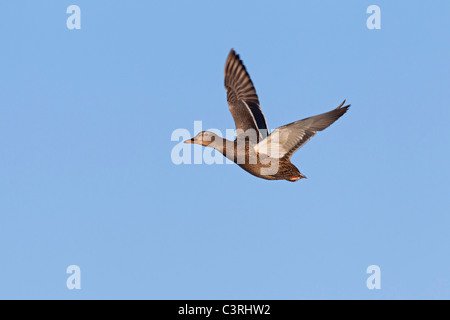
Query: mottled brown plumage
{"type": "Point", "coordinates": [264, 155]}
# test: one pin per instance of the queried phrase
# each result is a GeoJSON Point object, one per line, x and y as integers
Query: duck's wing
{"type": "Point", "coordinates": [242, 98]}
{"type": "Point", "coordinates": [285, 140]}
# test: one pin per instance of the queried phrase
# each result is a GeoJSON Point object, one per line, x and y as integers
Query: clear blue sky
{"type": "Point", "coordinates": [86, 177]}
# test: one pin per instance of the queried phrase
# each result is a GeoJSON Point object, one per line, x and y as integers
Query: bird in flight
{"type": "Point", "coordinates": [263, 155]}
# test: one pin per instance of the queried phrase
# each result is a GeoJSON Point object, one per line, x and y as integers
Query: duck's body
{"type": "Point", "coordinates": [256, 151]}
{"type": "Point", "coordinates": [258, 164]}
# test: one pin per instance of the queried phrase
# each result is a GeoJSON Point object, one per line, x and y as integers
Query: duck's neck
{"type": "Point", "coordinates": [224, 146]}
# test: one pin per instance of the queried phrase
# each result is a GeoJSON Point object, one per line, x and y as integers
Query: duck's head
{"type": "Point", "coordinates": [205, 138]}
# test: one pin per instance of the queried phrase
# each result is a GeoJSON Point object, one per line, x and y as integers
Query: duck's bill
{"type": "Point", "coordinates": [189, 141]}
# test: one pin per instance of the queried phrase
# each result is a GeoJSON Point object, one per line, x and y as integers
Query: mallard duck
{"type": "Point", "coordinates": [264, 155]}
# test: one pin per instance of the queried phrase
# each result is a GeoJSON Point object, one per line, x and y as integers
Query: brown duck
{"type": "Point", "coordinates": [264, 155]}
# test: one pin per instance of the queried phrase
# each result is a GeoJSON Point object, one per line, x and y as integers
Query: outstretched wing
{"type": "Point", "coordinates": [242, 98]}
{"type": "Point", "coordinates": [285, 140]}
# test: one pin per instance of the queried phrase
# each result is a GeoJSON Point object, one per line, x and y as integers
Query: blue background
{"type": "Point", "coordinates": [86, 175]}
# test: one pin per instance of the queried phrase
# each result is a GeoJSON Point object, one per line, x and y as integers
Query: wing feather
{"type": "Point", "coordinates": [242, 98]}
{"type": "Point", "coordinates": [285, 140]}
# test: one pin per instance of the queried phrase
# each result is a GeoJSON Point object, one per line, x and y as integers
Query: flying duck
{"type": "Point", "coordinates": [263, 155]}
